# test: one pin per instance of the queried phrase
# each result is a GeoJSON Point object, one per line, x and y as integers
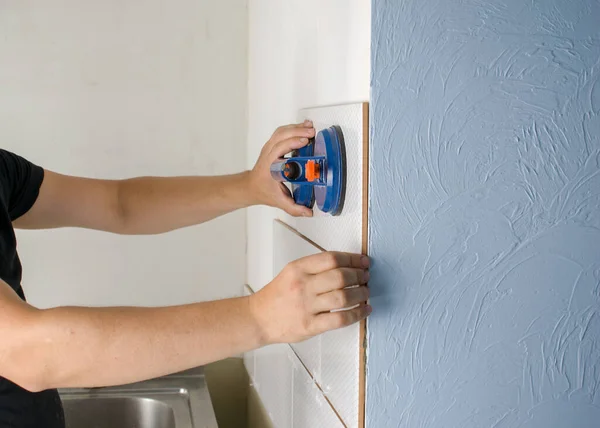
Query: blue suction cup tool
{"type": "Point", "coordinates": [317, 172]}
{"type": "Point", "coordinates": [304, 195]}
{"type": "Point", "coordinates": [330, 144]}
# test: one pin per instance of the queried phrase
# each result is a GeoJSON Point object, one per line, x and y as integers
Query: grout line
{"type": "Point", "coordinates": [291, 229]}
{"type": "Point", "coordinates": [346, 104]}
{"type": "Point", "coordinates": [318, 386]}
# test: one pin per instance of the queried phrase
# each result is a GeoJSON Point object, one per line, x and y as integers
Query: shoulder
{"type": "Point", "coordinates": [20, 181]}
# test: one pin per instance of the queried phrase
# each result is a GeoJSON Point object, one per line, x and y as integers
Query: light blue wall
{"type": "Point", "coordinates": [485, 214]}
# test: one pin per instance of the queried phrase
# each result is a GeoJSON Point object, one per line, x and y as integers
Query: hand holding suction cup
{"type": "Point", "coordinates": [317, 172]}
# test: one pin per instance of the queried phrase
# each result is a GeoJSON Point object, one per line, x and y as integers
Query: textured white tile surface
{"type": "Point", "coordinates": [332, 358]}
{"type": "Point", "coordinates": [310, 409]}
{"type": "Point", "coordinates": [291, 397]}
{"type": "Point", "coordinates": [339, 371]}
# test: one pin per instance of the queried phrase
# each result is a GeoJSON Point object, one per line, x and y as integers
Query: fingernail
{"type": "Point", "coordinates": [307, 122]}
{"type": "Point", "coordinates": [367, 276]}
{"type": "Point", "coordinates": [368, 309]}
{"type": "Point", "coordinates": [365, 261]}
{"type": "Point", "coordinates": [304, 140]}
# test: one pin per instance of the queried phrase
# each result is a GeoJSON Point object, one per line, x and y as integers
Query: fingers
{"type": "Point", "coordinates": [323, 262]}
{"type": "Point", "coordinates": [333, 320]}
{"type": "Point", "coordinates": [282, 148]}
{"type": "Point", "coordinates": [340, 299]}
{"type": "Point", "coordinates": [295, 132]}
{"type": "Point", "coordinates": [296, 210]}
{"type": "Point", "coordinates": [290, 308]}
{"type": "Point", "coordinates": [281, 129]}
{"type": "Point", "coordinates": [306, 124]}
{"type": "Point", "coordinates": [288, 204]}
{"type": "Point", "coordinates": [337, 279]}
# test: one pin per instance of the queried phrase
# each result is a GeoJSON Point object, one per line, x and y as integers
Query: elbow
{"type": "Point", "coordinates": [28, 368]}
{"type": "Point", "coordinates": [32, 387]}
{"type": "Point", "coordinates": [29, 376]}
{"type": "Point", "coordinates": [26, 364]}
{"type": "Point", "coordinates": [33, 384]}
{"type": "Point", "coordinates": [24, 357]}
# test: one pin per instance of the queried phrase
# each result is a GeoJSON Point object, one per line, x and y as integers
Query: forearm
{"type": "Point", "coordinates": [87, 347]}
{"type": "Point", "coordinates": [151, 205]}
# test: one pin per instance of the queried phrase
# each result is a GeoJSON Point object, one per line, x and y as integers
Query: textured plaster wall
{"type": "Point", "coordinates": [485, 214]}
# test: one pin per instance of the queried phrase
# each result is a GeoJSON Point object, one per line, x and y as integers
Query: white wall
{"type": "Point", "coordinates": [301, 54]}
{"type": "Point", "coordinates": [118, 89]}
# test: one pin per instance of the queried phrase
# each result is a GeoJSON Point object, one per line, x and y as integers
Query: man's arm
{"type": "Point", "coordinates": [87, 347]}
{"type": "Point", "coordinates": [150, 205]}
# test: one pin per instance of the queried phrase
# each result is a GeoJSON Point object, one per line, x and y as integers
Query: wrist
{"type": "Point", "coordinates": [242, 189]}
{"type": "Point", "coordinates": [258, 321]}
{"type": "Point", "coordinates": [253, 188]}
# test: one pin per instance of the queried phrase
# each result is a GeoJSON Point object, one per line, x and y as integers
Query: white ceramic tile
{"type": "Point", "coordinates": [291, 397]}
{"type": "Point", "coordinates": [310, 409]}
{"type": "Point", "coordinates": [342, 232]}
{"type": "Point", "coordinates": [332, 358]}
{"type": "Point", "coordinates": [340, 371]}
{"type": "Point", "coordinates": [273, 380]}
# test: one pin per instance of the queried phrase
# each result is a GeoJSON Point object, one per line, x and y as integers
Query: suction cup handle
{"type": "Point", "coordinates": [308, 170]}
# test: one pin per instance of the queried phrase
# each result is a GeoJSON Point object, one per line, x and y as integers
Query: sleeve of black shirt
{"type": "Point", "coordinates": [20, 182]}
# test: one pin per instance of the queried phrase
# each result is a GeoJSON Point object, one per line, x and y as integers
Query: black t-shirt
{"type": "Point", "coordinates": [20, 183]}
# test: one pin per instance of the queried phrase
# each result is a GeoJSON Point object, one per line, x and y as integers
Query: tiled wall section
{"type": "Point", "coordinates": [290, 396]}
{"type": "Point", "coordinates": [331, 358]}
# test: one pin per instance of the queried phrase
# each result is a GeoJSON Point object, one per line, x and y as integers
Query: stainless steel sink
{"type": "Point", "coordinates": [118, 412]}
{"type": "Point", "coordinates": [176, 401]}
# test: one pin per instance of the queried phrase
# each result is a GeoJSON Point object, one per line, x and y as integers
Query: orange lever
{"type": "Point", "coordinates": [312, 170]}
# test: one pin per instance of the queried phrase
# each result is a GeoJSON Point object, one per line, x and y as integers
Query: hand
{"type": "Point", "coordinates": [297, 304]}
{"type": "Point", "coordinates": [266, 189]}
